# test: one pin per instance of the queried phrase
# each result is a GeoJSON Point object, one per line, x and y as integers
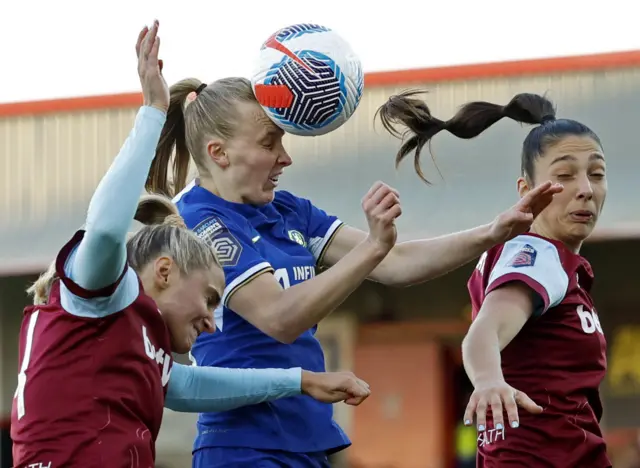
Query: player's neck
{"type": "Point", "coordinates": [208, 184]}
{"type": "Point", "coordinates": [572, 245]}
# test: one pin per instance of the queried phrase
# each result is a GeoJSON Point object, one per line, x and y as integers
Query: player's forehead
{"type": "Point", "coordinates": [206, 280]}
{"type": "Point", "coordinates": [576, 149]}
{"type": "Point", "coordinates": [254, 122]}
{"type": "Point", "coordinates": [215, 279]}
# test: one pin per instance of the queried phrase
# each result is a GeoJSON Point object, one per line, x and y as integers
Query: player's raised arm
{"type": "Point", "coordinates": [285, 313]}
{"type": "Point", "coordinates": [210, 389]}
{"type": "Point", "coordinates": [101, 255]}
{"type": "Point", "coordinates": [421, 260]}
{"type": "Point", "coordinates": [417, 261]}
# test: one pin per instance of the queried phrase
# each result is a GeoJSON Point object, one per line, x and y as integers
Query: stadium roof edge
{"type": "Point", "coordinates": [602, 61]}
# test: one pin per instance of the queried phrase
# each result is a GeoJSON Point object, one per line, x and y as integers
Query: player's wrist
{"type": "Point", "coordinates": [490, 379]}
{"type": "Point", "coordinates": [307, 381]}
{"type": "Point", "coordinates": [489, 235]}
{"type": "Point", "coordinates": [376, 249]}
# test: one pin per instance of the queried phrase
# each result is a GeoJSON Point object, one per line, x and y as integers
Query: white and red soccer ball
{"type": "Point", "coordinates": [308, 80]}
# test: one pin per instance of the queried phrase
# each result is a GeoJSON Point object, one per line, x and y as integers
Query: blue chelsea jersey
{"type": "Point", "coordinates": [286, 237]}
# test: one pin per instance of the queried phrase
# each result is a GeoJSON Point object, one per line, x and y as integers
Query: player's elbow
{"type": "Point", "coordinates": [281, 332]}
{"type": "Point", "coordinates": [392, 271]}
{"type": "Point", "coordinates": [397, 269]}
{"type": "Point", "coordinates": [103, 235]}
{"type": "Point", "coordinates": [481, 332]}
{"type": "Point", "coordinates": [467, 343]}
{"type": "Point", "coordinates": [391, 278]}
{"type": "Point", "coordinates": [281, 329]}
{"type": "Point", "coordinates": [397, 281]}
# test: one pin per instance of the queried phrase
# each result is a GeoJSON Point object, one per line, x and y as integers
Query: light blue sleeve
{"type": "Point", "coordinates": [211, 389]}
{"type": "Point", "coordinates": [100, 258]}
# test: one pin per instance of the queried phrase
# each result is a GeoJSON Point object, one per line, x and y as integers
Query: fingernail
{"type": "Point", "coordinates": [515, 424]}
{"type": "Point", "coordinates": [467, 422]}
{"type": "Point", "coordinates": [499, 426]}
{"type": "Point", "coordinates": [481, 427]}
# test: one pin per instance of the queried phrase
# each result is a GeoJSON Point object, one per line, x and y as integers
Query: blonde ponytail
{"type": "Point", "coordinates": [42, 287]}
{"type": "Point", "coordinates": [165, 232]}
{"type": "Point", "coordinates": [155, 209]}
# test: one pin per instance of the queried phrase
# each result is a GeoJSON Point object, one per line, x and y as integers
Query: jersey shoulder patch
{"type": "Point", "coordinates": [225, 244]}
{"type": "Point", "coordinates": [524, 257]}
{"type": "Point", "coordinates": [535, 261]}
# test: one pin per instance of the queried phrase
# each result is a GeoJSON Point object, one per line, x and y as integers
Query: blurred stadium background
{"type": "Point", "coordinates": [405, 342]}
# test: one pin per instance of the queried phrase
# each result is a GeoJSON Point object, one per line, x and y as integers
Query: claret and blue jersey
{"type": "Point", "coordinates": [286, 237]}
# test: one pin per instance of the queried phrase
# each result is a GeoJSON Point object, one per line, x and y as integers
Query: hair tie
{"type": "Point", "coordinates": [200, 88]}
{"type": "Point", "coordinates": [547, 118]}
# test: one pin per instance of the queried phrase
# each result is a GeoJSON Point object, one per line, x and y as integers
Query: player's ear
{"type": "Point", "coordinates": [523, 186]}
{"type": "Point", "coordinates": [163, 268]}
{"type": "Point", "coordinates": [217, 152]}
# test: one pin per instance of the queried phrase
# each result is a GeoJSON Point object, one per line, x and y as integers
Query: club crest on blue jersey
{"type": "Point", "coordinates": [526, 257]}
{"type": "Point", "coordinates": [296, 236]}
{"type": "Point", "coordinates": [226, 246]}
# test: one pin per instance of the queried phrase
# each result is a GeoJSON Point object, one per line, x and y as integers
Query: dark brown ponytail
{"type": "Point", "coordinates": [471, 120]}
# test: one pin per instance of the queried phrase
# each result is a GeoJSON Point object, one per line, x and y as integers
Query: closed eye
{"type": "Point", "coordinates": [213, 301]}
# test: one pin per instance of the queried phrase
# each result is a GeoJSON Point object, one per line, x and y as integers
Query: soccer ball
{"type": "Point", "coordinates": [307, 79]}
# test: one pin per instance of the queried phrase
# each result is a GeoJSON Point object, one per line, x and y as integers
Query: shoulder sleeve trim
{"type": "Point", "coordinates": [536, 263]}
{"type": "Point", "coordinates": [318, 245]}
{"type": "Point", "coordinates": [244, 279]}
{"type": "Point", "coordinates": [71, 285]}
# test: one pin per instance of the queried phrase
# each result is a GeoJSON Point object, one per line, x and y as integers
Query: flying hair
{"type": "Point", "coordinates": [408, 117]}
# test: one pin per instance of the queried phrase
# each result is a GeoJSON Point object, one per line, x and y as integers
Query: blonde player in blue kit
{"type": "Point", "coordinates": [269, 244]}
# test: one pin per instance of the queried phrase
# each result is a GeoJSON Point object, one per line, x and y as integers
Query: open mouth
{"type": "Point", "coordinates": [582, 216]}
{"type": "Point", "coordinates": [274, 179]}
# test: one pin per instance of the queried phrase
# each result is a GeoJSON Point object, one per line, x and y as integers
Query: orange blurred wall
{"type": "Point", "coordinates": [402, 423]}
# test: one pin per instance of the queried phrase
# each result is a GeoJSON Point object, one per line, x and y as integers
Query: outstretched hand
{"type": "Point", "coordinates": [155, 91]}
{"type": "Point", "coordinates": [518, 219]}
{"type": "Point", "coordinates": [332, 387]}
{"type": "Point", "coordinates": [499, 398]}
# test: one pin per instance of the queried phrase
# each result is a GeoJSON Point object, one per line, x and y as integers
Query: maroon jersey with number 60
{"type": "Point", "coordinates": [91, 388]}
{"type": "Point", "coordinates": [558, 358]}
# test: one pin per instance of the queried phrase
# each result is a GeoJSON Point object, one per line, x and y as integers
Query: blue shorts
{"type": "Point", "coordinates": [241, 457]}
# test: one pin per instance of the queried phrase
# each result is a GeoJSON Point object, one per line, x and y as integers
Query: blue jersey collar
{"type": "Point", "coordinates": [265, 214]}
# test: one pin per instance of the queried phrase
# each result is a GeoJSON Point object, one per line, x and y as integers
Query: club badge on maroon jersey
{"type": "Point", "coordinates": [526, 257]}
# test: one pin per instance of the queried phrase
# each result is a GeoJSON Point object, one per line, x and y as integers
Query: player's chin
{"type": "Point", "coordinates": [183, 344]}
{"type": "Point", "coordinates": [182, 348]}
{"type": "Point", "coordinates": [581, 231]}
{"type": "Point", "coordinates": [267, 194]}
